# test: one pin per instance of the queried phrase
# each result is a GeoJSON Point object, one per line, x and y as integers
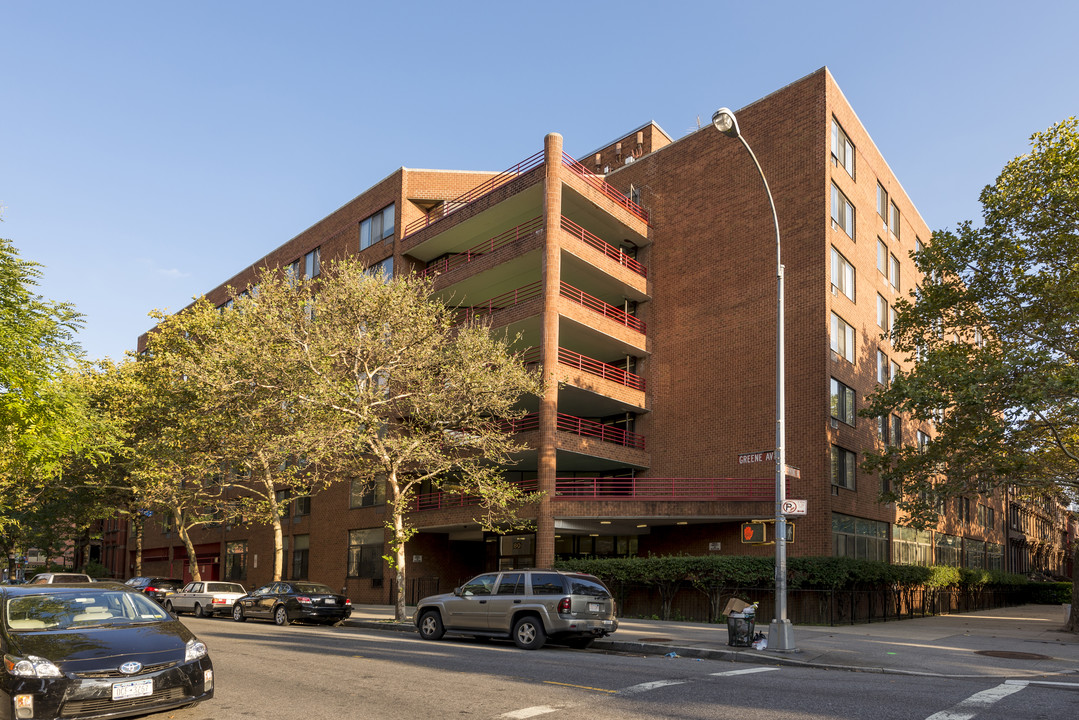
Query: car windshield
{"type": "Point", "coordinates": [312, 588]}
{"type": "Point", "coordinates": [73, 610]}
{"type": "Point", "coordinates": [224, 587]}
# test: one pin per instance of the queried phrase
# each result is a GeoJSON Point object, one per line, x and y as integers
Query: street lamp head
{"type": "Point", "coordinates": [724, 121]}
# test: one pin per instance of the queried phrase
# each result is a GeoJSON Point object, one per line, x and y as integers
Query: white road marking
{"type": "Point", "coordinates": [645, 687]}
{"type": "Point", "coordinates": [744, 672]}
{"type": "Point", "coordinates": [978, 702]}
{"type": "Point", "coordinates": [529, 712]}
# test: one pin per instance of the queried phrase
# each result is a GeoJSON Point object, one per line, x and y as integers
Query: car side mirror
{"type": "Point", "coordinates": [457, 591]}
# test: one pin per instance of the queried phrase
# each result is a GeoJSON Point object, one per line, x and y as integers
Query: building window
{"type": "Point", "coordinates": [858, 538]}
{"type": "Point", "coordinates": [974, 554]}
{"type": "Point", "coordinates": [365, 553]}
{"type": "Point", "coordinates": [842, 211]}
{"type": "Point", "coordinates": [891, 320]}
{"type": "Point", "coordinates": [842, 400]}
{"type": "Point", "coordinates": [949, 548]}
{"type": "Point", "coordinates": [292, 272]}
{"type": "Point", "coordinates": [896, 438]}
{"type": "Point", "coordinates": [986, 517]}
{"type": "Point", "coordinates": [311, 263]}
{"type": "Point", "coordinates": [994, 556]}
{"type": "Point", "coordinates": [882, 202]}
{"type": "Point", "coordinates": [302, 505]}
{"type": "Point", "coordinates": [962, 509]}
{"type": "Point", "coordinates": [842, 275]}
{"type": "Point", "coordinates": [377, 228]}
{"type": "Point", "coordinates": [912, 547]}
{"type": "Point", "coordinates": [893, 371]}
{"type": "Point", "coordinates": [882, 312]}
{"type": "Point", "coordinates": [300, 548]}
{"type": "Point", "coordinates": [882, 257]}
{"type": "Point", "coordinates": [236, 561]}
{"type": "Point", "coordinates": [893, 221]}
{"type": "Point", "coordinates": [882, 428]}
{"type": "Point", "coordinates": [843, 467]}
{"type": "Point", "coordinates": [893, 271]}
{"type": "Point", "coordinates": [367, 493]}
{"type": "Point", "coordinates": [922, 439]}
{"type": "Point", "coordinates": [384, 268]}
{"type": "Point", "coordinates": [842, 149]}
{"type": "Point", "coordinates": [882, 368]}
{"type": "Point", "coordinates": [918, 247]}
{"type": "Point", "coordinates": [842, 338]}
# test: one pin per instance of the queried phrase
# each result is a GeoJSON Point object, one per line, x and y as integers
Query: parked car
{"type": "Point", "coordinates": [95, 650]}
{"type": "Point", "coordinates": [527, 606]}
{"type": "Point", "coordinates": [286, 601]}
{"type": "Point", "coordinates": [155, 587]}
{"type": "Point", "coordinates": [49, 578]}
{"type": "Point", "coordinates": [205, 599]}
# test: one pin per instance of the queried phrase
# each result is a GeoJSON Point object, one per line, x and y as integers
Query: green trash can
{"type": "Point", "coordinates": [740, 628]}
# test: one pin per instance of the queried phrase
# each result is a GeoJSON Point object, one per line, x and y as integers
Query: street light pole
{"type": "Point", "coordinates": [780, 631]}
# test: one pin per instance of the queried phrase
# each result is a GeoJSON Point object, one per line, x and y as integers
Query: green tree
{"type": "Point", "coordinates": [39, 418]}
{"type": "Point", "coordinates": [384, 387]}
{"type": "Point", "coordinates": [995, 330]}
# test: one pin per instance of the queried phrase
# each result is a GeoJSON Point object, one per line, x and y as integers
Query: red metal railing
{"type": "Point", "coordinates": [572, 359]}
{"type": "Point", "coordinates": [603, 246]}
{"type": "Point", "coordinates": [582, 427]}
{"type": "Point", "coordinates": [441, 500]}
{"type": "Point", "coordinates": [505, 300]}
{"type": "Point", "coordinates": [509, 237]}
{"type": "Point", "coordinates": [608, 488]}
{"type": "Point", "coordinates": [461, 201]}
{"type": "Point", "coordinates": [596, 305]}
{"type": "Point", "coordinates": [600, 184]}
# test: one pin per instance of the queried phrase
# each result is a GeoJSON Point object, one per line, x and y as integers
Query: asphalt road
{"type": "Point", "coordinates": [264, 671]}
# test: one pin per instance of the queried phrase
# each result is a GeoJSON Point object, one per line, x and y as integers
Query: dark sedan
{"type": "Point", "coordinates": [156, 587]}
{"type": "Point", "coordinates": [95, 650]}
{"type": "Point", "coordinates": [284, 602]}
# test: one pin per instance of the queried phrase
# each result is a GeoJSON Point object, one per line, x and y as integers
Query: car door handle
{"type": "Point", "coordinates": [483, 602]}
{"type": "Point", "coordinates": [516, 602]}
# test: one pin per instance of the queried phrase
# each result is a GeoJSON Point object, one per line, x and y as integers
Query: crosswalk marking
{"type": "Point", "coordinates": [978, 702]}
{"type": "Point", "coordinates": [747, 671]}
{"type": "Point", "coordinates": [529, 712]}
{"type": "Point", "coordinates": [645, 687]}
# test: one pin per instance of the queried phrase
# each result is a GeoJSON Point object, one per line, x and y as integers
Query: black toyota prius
{"type": "Point", "coordinates": [95, 650]}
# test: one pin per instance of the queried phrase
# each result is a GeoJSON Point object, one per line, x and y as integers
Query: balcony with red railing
{"type": "Point", "coordinates": [589, 365]}
{"type": "Point", "coordinates": [580, 426]}
{"type": "Point", "coordinates": [535, 290]}
{"type": "Point", "coordinates": [616, 254]}
{"type": "Point", "coordinates": [465, 199]}
{"type": "Point", "coordinates": [609, 488]}
{"type": "Point", "coordinates": [650, 488]}
{"type": "Point", "coordinates": [483, 249]}
{"type": "Point", "coordinates": [600, 184]}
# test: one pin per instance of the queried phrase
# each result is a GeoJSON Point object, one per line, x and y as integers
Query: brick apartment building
{"type": "Point", "coordinates": [642, 277]}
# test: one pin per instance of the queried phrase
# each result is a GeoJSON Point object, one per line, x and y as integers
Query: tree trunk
{"type": "Point", "coordinates": [192, 561]}
{"type": "Point", "coordinates": [1072, 623]}
{"type": "Point", "coordinates": [275, 515]}
{"type": "Point", "coordinates": [137, 521]}
{"type": "Point", "coordinates": [399, 539]}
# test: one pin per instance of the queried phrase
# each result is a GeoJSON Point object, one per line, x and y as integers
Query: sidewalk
{"type": "Point", "coordinates": [1021, 642]}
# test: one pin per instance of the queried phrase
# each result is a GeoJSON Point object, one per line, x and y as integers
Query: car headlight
{"type": "Point", "coordinates": [30, 666]}
{"type": "Point", "coordinates": [194, 650]}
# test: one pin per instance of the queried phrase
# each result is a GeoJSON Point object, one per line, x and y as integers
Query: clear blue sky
{"type": "Point", "coordinates": [149, 151]}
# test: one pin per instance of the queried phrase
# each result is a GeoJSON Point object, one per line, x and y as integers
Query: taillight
{"type": "Point", "coordinates": [150, 589]}
{"type": "Point", "coordinates": [219, 601]}
{"type": "Point", "coordinates": [304, 600]}
{"type": "Point", "coordinates": [348, 602]}
{"type": "Point", "coordinates": [564, 605]}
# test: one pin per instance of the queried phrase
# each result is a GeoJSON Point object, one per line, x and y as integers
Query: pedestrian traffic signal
{"type": "Point", "coordinates": [754, 532]}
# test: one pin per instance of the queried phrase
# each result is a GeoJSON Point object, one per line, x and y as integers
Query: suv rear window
{"type": "Point", "coordinates": [547, 584]}
{"type": "Point", "coordinates": [587, 586]}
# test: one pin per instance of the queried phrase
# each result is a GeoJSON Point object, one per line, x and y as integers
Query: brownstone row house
{"type": "Point", "coordinates": [642, 275]}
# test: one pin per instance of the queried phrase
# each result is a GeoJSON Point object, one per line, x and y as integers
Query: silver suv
{"type": "Point", "coordinates": [528, 606]}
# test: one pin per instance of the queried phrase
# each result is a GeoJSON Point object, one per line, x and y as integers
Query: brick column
{"type": "Point", "coordinates": [548, 412]}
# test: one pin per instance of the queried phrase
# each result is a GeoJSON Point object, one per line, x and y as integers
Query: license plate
{"type": "Point", "coordinates": [594, 607]}
{"type": "Point", "coordinates": [329, 601]}
{"type": "Point", "coordinates": [133, 689]}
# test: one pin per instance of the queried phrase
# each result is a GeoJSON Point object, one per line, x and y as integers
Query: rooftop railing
{"type": "Point", "coordinates": [464, 200]}
{"type": "Point", "coordinates": [600, 184]}
{"type": "Point", "coordinates": [603, 246]}
{"type": "Point", "coordinates": [444, 499]}
{"type": "Point", "coordinates": [650, 488]}
{"type": "Point", "coordinates": [451, 262]}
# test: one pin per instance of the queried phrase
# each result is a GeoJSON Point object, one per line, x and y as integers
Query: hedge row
{"type": "Point", "coordinates": [810, 573]}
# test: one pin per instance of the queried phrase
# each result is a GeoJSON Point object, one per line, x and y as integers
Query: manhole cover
{"type": "Point", "coordinates": [657, 640]}
{"type": "Point", "coordinates": [1011, 655]}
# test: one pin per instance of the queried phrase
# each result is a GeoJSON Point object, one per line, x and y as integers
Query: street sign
{"type": "Point", "coordinates": [756, 457]}
{"type": "Point", "coordinates": [793, 507]}
{"type": "Point", "coordinates": [754, 532]}
{"type": "Point", "coordinates": [793, 472]}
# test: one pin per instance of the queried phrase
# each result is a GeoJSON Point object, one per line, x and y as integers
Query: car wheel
{"type": "Point", "coordinates": [280, 616]}
{"type": "Point", "coordinates": [580, 643]}
{"type": "Point", "coordinates": [238, 613]}
{"type": "Point", "coordinates": [431, 626]}
{"type": "Point", "coordinates": [198, 611]}
{"type": "Point", "coordinates": [528, 633]}
{"type": "Point", "coordinates": [168, 606]}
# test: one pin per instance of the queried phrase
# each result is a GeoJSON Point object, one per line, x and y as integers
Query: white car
{"type": "Point", "coordinates": [205, 599]}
